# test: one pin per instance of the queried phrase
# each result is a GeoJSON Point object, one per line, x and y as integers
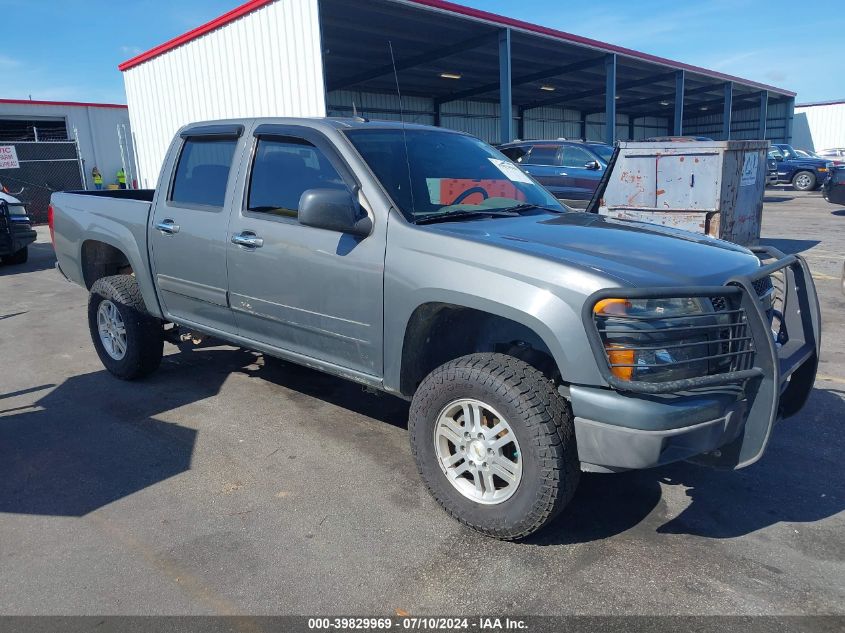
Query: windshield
{"type": "Point", "coordinates": [788, 152]}
{"type": "Point", "coordinates": [444, 172]}
{"type": "Point", "coordinates": [604, 151]}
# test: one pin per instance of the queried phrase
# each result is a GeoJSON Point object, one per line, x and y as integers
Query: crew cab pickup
{"type": "Point", "coordinates": [533, 342]}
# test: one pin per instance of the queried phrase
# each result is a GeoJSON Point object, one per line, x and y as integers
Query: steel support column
{"type": "Point", "coordinates": [680, 77]}
{"type": "Point", "coordinates": [790, 116]}
{"type": "Point", "coordinates": [520, 122]}
{"type": "Point", "coordinates": [728, 111]}
{"type": "Point", "coordinates": [505, 98]}
{"type": "Point", "coordinates": [610, 99]}
{"type": "Point", "coordinates": [764, 114]}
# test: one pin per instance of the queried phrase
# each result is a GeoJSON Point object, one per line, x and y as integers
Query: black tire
{"type": "Point", "coordinates": [540, 418]}
{"type": "Point", "coordinates": [144, 333]}
{"type": "Point", "coordinates": [18, 257]}
{"type": "Point", "coordinates": [804, 181]}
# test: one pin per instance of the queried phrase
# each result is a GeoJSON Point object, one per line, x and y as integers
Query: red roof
{"type": "Point", "coordinates": [458, 9]}
{"type": "Point", "coordinates": [75, 104]}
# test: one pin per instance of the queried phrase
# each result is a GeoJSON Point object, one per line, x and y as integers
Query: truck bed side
{"type": "Point", "coordinates": [104, 233]}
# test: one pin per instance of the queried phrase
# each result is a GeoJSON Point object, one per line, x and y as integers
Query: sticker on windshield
{"type": "Point", "coordinates": [513, 173]}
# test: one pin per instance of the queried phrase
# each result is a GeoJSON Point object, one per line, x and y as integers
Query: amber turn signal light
{"type": "Point", "coordinates": [618, 355]}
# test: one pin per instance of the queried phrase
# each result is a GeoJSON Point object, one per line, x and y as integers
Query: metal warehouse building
{"type": "Point", "coordinates": [58, 143]}
{"type": "Point", "coordinates": [820, 126]}
{"type": "Point", "coordinates": [457, 67]}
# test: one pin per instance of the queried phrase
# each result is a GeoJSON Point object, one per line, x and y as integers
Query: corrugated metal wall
{"type": "Point", "coordinates": [94, 128]}
{"type": "Point", "coordinates": [380, 106]}
{"type": "Point", "coordinates": [228, 73]}
{"type": "Point", "coordinates": [481, 118]}
{"type": "Point", "coordinates": [745, 124]}
{"type": "Point", "coordinates": [819, 127]}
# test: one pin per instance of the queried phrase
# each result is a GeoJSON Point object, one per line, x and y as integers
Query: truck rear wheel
{"type": "Point", "coordinates": [804, 181]}
{"type": "Point", "coordinates": [129, 342]}
{"type": "Point", "coordinates": [494, 443]}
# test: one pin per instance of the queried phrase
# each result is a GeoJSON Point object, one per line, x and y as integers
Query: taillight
{"type": "Point", "coordinates": [50, 224]}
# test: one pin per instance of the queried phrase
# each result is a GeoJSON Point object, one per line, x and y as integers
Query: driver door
{"type": "Point", "coordinates": [311, 291]}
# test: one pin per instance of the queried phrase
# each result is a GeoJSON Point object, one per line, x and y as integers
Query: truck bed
{"type": "Point", "coordinates": [102, 220]}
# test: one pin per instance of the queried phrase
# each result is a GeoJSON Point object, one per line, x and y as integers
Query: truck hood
{"type": "Point", "coordinates": [808, 162]}
{"type": "Point", "coordinates": [632, 253]}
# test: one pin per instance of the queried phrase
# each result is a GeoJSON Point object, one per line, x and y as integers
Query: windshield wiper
{"type": "Point", "coordinates": [449, 216]}
{"type": "Point", "coordinates": [528, 207]}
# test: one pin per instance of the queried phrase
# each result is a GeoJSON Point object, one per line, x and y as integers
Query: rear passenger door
{"type": "Point", "coordinates": [189, 231]}
{"type": "Point", "coordinates": [314, 292]}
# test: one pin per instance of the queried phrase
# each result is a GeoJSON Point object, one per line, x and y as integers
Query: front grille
{"type": "Point", "coordinates": [762, 286]}
{"type": "Point", "coordinates": [678, 347]}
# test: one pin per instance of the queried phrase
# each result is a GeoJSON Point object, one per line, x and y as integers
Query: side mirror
{"type": "Point", "coordinates": [334, 210]}
{"type": "Point", "coordinates": [593, 164]}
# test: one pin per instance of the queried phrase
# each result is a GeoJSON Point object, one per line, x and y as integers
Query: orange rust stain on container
{"type": "Point", "coordinates": [682, 159]}
{"type": "Point", "coordinates": [696, 160]}
{"type": "Point", "coordinates": [660, 192]}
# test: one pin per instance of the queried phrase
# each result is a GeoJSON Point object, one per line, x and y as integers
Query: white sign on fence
{"type": "Point", "coordinates": [8, 157]}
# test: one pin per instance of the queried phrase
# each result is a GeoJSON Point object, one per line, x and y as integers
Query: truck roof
{"type": "Point", "coordinates": [338, 123]}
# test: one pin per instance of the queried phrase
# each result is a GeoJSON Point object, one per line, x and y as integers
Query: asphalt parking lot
{"type": "Point", "coordinates": [230, 483]}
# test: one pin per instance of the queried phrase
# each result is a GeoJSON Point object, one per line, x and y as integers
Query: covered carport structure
{"type": "Point", "coordinates": [503, 79]}
{"type": "Point", "coordinates": [453, 66]}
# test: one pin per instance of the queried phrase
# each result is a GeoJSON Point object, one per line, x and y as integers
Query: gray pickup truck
{"type": "Point", "coordinates": [533, 342]}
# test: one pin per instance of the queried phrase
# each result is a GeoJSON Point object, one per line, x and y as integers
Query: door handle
{"type": "Point", "coordinates": [562, 173]}
{"type": "Point", "coordinates": [167, 226]}
{"type": "Point", "coordinates": [247, 239]}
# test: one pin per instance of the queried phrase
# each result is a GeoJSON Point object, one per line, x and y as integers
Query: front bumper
{"type": "Point", "coordinates": [722, 420]}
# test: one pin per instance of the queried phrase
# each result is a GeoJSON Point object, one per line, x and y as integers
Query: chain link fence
{"type": "Point", "coordinates": [44, 167]}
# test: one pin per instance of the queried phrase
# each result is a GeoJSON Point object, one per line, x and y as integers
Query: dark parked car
{"type": "Point", "coordinates": [16, 232]}
{"type": "Point", "coordinates": [834, 189]}
{"type": "Point", "coordinates": [571, 170]}
{"type": "Point", "coordinates": [805, 174]}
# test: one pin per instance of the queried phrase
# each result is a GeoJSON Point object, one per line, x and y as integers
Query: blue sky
{"type": "Point", "coordinates": [70, 49]}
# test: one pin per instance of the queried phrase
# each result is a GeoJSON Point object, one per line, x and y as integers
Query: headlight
{"type": "Point", "coordinates": [656, 340]}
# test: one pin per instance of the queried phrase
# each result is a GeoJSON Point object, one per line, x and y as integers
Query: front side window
{"type": "Point", "coordinates": [605, 152]}
{"type": "Point", "coordinates": [575, 157]}
{"type": "Point", "coordinates": [429, 172]}
{"type": "Point", "coordinates": [203, 171]}
{"type": "Point", "coordinates": [284, 168]}
{"type": "Point", "coordinates": [543, 155]}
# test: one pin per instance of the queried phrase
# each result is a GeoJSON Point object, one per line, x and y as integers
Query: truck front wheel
{"type": "Point", "coordinates": [494, 443]}
{"type": "Point", "coordinates": [129, 342]}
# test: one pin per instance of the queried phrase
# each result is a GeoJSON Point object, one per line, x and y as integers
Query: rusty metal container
{"type": "Point", "coordinates": [710, 187]}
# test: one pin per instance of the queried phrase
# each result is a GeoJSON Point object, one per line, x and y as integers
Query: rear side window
{"type": "Point", "coordinates": [203, 171]}
{"type": "Point", "coordinates": [516, 154]}
{"type": "Point", "coordinates": [542, 155]}
{"type": "Point", "coordinates": [284, 168]}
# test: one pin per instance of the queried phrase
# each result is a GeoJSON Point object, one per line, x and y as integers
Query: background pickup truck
{"type": "Point", "coordinates": [805, 174]}
{"type": "Point", "coordinates": [533, 342]}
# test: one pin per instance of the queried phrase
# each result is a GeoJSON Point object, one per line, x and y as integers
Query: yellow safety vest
{"type": "Point", "coordinates": [98, 179]}
{"type": "Point", "coordinates": [121, 177]}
